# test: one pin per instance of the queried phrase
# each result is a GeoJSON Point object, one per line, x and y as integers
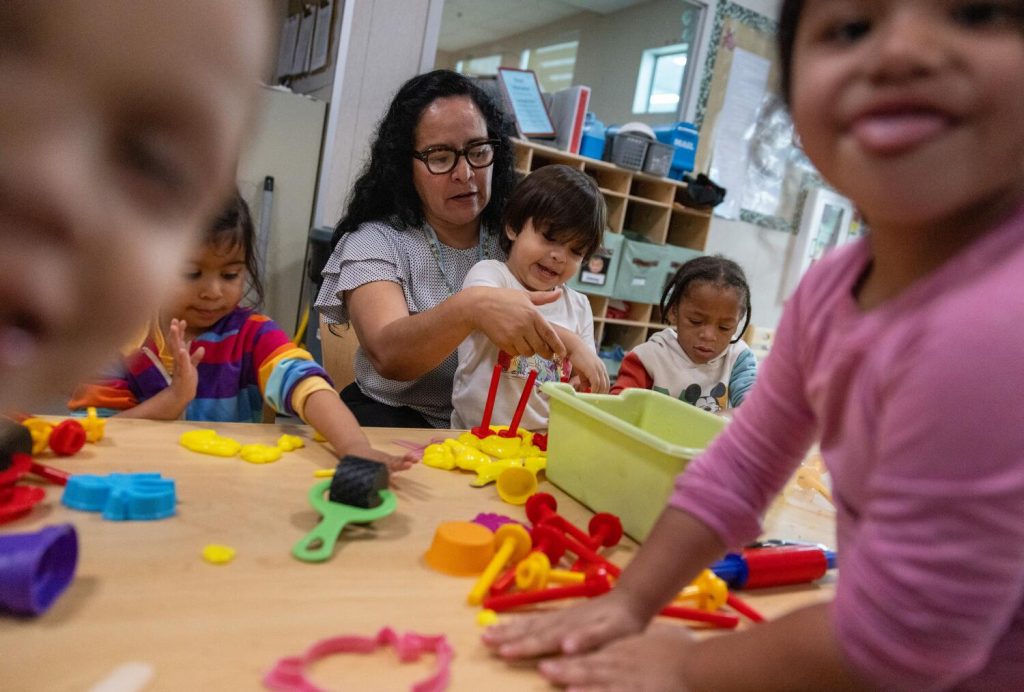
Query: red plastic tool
{"type": "Point", "coordinates": [484, 429]}
{"type": "Point", "coordinates": [513, 427]}
{"type": "Point", "coordinates": [724, 620]}
{"type": "Point", "coordinates": [546, 539]}
{"type": "Point", "coordinates": [542, 507]}
{"type": "Point", "coordinates": [595, 585]}
{"type": "Point", "coordinates": [67, 437]}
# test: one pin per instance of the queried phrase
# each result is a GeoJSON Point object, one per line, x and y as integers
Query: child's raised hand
{"type": "Point", "coordinates": [574, 630]}
{"type": "Point", "coordinates": [185, 378]}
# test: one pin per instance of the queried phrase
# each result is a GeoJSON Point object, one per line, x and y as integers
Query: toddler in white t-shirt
{"type": "Point", "coordinates": [555, 219]}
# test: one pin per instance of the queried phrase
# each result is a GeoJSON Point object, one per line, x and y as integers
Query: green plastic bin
{"type": "Point", "coordinates": [621, 454]}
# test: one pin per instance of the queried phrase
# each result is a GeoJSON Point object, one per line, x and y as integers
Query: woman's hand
{"type": "Point", "coordinates": [510, 320]}
{"type": "Point", "coordinates": [185, 379]}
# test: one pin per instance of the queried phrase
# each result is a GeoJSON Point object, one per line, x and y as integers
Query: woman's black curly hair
{"type": "Point", "coordinates": [385, 188]}
{"type": "Point", "coordinates": [715, 270]}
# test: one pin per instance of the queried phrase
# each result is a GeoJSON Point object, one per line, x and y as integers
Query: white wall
{"type": "Point", "coordinates": [382, 43]}
{"type": "Point", "coordinates": [287, 147]}
{"type": "Point", "coordinates": [608, 58]}
{"type": "Point", "coordinates": [761, 252]}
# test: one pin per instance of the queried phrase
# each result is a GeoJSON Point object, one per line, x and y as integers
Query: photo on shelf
{"type": "Point", "coordinates": [595, 271]}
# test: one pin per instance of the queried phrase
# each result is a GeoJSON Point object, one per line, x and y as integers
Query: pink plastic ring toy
{"type": "Point", "coordinates": [289, 674]}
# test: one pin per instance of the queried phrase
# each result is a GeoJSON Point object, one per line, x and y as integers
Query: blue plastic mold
{"type": "Point", "coordinates": [122, 496]}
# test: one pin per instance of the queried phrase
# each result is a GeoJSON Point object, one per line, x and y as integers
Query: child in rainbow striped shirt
{"type": "Point", "coordinates": [219, 360]}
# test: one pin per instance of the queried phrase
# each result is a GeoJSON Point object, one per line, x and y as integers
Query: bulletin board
{"type": "Point", "coordinates": [735, 27]}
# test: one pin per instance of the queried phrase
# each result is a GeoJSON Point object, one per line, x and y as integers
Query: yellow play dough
{"type": "Point", "coordinates": [209, 442]}
{"type": "Point", "coordinates": [218, 554]}
{"type": "Point", "coordinates": [260, 454]}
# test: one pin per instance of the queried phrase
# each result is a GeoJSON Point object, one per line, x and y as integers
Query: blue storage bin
{"type": "Point", "coordinates": [592, 143]}
{"type": "Point", "coordinates": [684, 137]}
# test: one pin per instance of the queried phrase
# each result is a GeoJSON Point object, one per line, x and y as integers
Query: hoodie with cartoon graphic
{"type": "Point", "coordinates": [661, 364]}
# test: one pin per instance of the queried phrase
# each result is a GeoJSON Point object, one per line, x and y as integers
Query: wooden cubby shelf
{"type": "Point", "coordinates": [637, 202]}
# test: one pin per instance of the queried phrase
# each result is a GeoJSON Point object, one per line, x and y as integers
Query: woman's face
{"type": "Point", "coordinates": [453, 201]}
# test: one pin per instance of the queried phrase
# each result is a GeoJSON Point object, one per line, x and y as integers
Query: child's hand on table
{"type": "Point", "coordinates": [651, 661]}
{"type": "Point", "coordinates": [393, 462]}
{"type": "Point", "coordinates": [571, 631]}
{"type": "Point", "coordinates": [185, 378]}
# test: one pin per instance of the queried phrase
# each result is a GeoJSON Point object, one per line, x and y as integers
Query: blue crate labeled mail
{"type": "Point", "coordinates": [684, 137]}
{"type": "Point", "coordinates": [639, 279]}
{"type": "Point", "coordinates": [598, 272]}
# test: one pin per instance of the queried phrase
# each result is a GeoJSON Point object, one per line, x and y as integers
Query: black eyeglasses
{"type": "Point", "coordinates": [443, 159]}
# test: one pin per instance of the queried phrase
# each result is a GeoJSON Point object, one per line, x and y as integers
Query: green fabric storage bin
{"type": "Point", "coordinates": [673, 258]}
{"type": "Point", "coordinates": [601, 282]}
{"type": "Point", "coordinates": [639, 279]}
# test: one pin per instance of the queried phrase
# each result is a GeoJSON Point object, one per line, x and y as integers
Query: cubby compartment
{"type": "Point", "coordinates": [611, 179]}
{"type": "Point", "coordinates": [523, 159]}
{"type": "Point", "coordinates": [688, 228]}
{"type": "Point", "coordinates": [648, 219]}
{"type": "Point", "coordinates": [543, 158]}
{"type": "Point", "coordinates": [616, 211]}
{"type": "Point", "coordinates": [652, 190]}
{"type": "Point", "coordinates": [624, 335]}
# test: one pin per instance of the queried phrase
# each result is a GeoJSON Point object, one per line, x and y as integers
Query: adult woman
{"type": "Point", "coordinates": [424, 210]}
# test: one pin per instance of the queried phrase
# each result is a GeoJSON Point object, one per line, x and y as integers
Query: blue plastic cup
{"type": "Point", "coordinates": [35, 568]}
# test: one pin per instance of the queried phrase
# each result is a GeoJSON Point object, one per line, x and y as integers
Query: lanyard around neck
{"type": "Point", "coordinates": [435, 249]}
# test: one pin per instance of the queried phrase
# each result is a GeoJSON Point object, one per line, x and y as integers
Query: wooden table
{"type": "Point", "coordinates": [143, 593]}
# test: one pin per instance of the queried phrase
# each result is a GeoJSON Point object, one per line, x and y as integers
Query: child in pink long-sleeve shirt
{"type": "Point", "coordinates": [900, 354]}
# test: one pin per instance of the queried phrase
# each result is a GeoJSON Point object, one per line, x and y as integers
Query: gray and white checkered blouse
{"type": "Point", "coordinates": [391, 251]}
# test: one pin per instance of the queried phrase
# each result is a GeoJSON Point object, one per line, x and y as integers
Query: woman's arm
{"type": "Point", "coordinates": [403, 347]}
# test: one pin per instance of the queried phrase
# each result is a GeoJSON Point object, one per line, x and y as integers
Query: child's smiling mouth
{"type": "Point", "coordinates": [546, 273]}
